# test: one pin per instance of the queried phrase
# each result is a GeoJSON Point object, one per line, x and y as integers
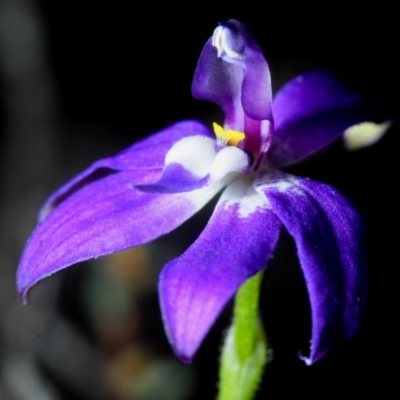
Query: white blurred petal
{"type": "Point", "coordinates": [364, 134]}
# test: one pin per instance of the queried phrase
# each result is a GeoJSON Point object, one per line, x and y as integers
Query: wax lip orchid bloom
{"type": "Point", "coordinates": [152, 187]}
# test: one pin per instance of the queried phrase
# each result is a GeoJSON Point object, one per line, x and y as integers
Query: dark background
{"type": "Point", "coordinates": [82, 80]}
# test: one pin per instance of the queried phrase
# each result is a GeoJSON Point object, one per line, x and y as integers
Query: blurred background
{"type": "Point", "coordinates": [83, 80]}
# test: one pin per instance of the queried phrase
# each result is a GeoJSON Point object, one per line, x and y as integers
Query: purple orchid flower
{"type": "Point", "coordinates": [152, 187]}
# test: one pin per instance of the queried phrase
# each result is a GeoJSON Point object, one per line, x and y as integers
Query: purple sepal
{"type": "Point", "coordinates": [349, 232]}
{"type": "Point", "coordinates": [235, 84]}
{"type": "Point", "coordinates": [175, 179]}
{"type": "Point", "coordinates": [148, 153]}
{"type": "Point", "coordinates": [195, 287]}
{"type": "Point", "coordinates": [105, 216]}
{"type": "Point", "coordinates": [310, 112]}
{"type": "Point", "coordinates": [329, 241]}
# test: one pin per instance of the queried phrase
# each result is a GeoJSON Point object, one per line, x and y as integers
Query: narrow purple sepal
{"type": "Point", "coordinates": [349, 232]}
{"type": "Point", "coordinates": [195, 287]}
{"type": "Point", "coordinates": [310, 112]}
{"type": "Point", "coordinates": [148, 153]}
{"type": "Point", "coordinates": [105, 216]}
{"type": "Point", "coordinates": [326, 229]}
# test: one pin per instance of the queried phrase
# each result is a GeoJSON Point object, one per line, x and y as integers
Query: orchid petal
{"type": "Point", "coordinates": [235, 245]}
{"type": "Point", "coordinates": [310, 112]}
{"type": "Point", "coordinates": [348, 229]}
{"type": "Point", "coordinates": [175, 179]}
{"type": "Point", "coordinates": [105, 216]}
{"type": "Point", "coordinates": [327, 233]}
{"type": "Point", "coordinates": [148, 153]}
{"type": "Point", "coordinates": [187, 165]}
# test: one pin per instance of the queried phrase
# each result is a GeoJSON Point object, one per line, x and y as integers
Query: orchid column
{"type": "Point", "coordinates": [233, 73]}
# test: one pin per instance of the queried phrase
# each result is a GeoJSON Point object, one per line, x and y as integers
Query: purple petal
{"type": "Point", "coordinates": [238, 80]}
{"type": "Point", "coordinates": [105, 216]}
{"type": "Point", "coordinates": [326, 229]}
{"type": "Point", "coordinates": [148, 153]}
{"type": "Point", "coordinates": [311, 111]}
{"type": "Point", "coordinates": [175, 179]}
{"type": "Point", "coordinates": [236, 244]}
{"type": "Point", "coordinates": [349, 233]}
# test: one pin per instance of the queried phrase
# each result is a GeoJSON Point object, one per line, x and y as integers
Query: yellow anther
{"type": "Point", "coordinates": [232, 138]}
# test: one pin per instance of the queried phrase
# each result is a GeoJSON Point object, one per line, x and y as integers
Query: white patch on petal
{"type": "Point", "coordinates": [364, 134]}
{"type": "Point", "coordinates": [195, 153]}
{"type": "Point", "coordinates": [277, 181]}
{"type": "Point", "coordinates": [229, 159]}
{"type": "Point", "coordinates": [242, 192]}
{"type": "Point", "coordinates": [200, 197]}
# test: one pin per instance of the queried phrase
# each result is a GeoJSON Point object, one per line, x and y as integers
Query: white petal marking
{"type": "Point", "coordinates": [194, 153]}
{"type": "Point", "coordinates": [229, 159]}
{"type": "Point", "coordinates": [201, 197]}
{"type": "Point", "coordinates": [278, 181]}
{"type": "Point", "coordinates": [242, 192]}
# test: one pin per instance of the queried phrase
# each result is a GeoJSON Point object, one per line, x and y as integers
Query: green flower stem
{"type": "Point", "coordinates": [244, 353]}
{"type": "Point", "coordinates": [246, 316]}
